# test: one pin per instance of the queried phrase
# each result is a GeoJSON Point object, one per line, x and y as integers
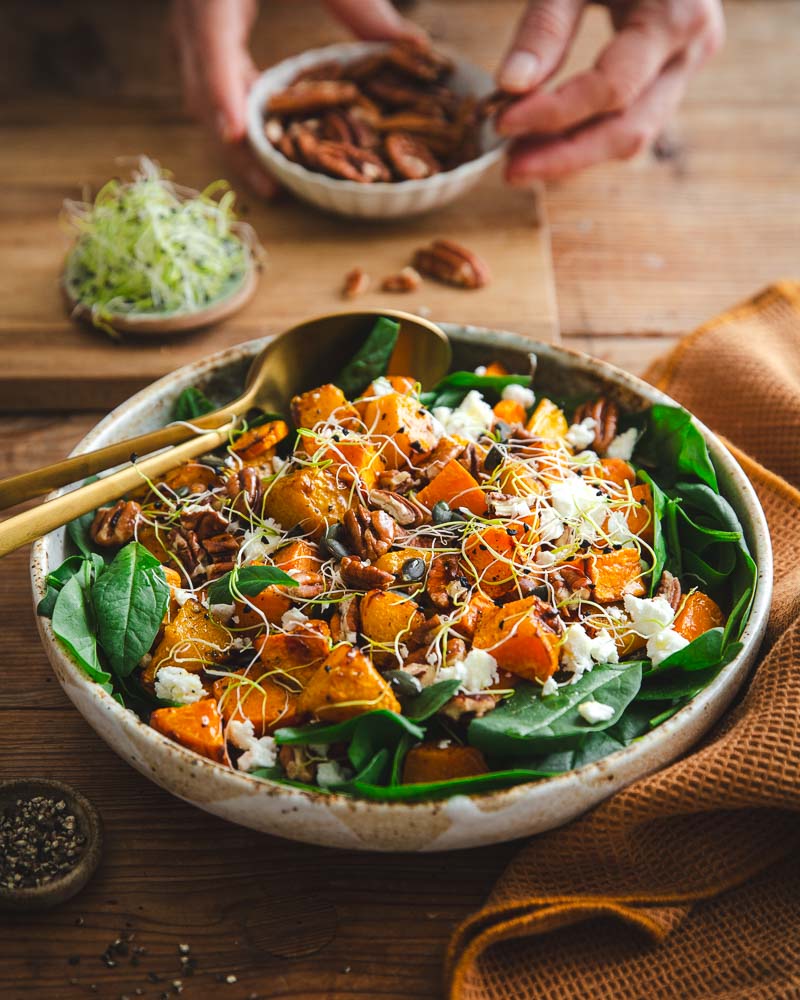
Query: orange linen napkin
{"type": "Point", "coordinates": [687, 883]}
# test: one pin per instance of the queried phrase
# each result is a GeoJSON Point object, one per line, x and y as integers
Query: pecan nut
{"type": "Point", "coordinates": [396, 480]}
{"type": "Point", "coordinates": [346, 623]}
{"type": "Point", "coordinates": [186, 548]}
{"type": "Point", "coordinates": [452, 264]}
{"type": "Point", "coordinates": [370, 533]}
{"type": "Point", "coordinates": [411, 158]}
{"type": "Point", "coordinates": [407, 280]}
{"type": "Point", "coordinates": [418, 60]}
{"type": "Point", "coordinates": [245, 491]}
{"type": "Point", "coordinates": [361, 575]}
{"type": "Point", "coordinates": [605, 413]}
{"type": "Point", "coordinates": [115, 525]}
{"type": "Point", "coordinates": [669, 587]}
{"type": "Point", "coordinates": [470, 704]}
{"type": "Point", "coordinates": [204, 522]}
{"type": "Point", "coordinates": [406, 512]}
{"type": "Point", "coordinates": [444, 584]}
{"type": "Point", "coordinates": [340, 159]}
{"type": "Point", "coordinates": [445, 451]}
{"type": "Point", "coordinates": [297, 763]}
{"type": "Point", "coordinates": [330, 69]}
{"type": "Point", "coordinates": [312, 95]}
{"type": "Point", "coordinates": [350, 127]}
{"type": "Point", "coordinates": [356, 282]}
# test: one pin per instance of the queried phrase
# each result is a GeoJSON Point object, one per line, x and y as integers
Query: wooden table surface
{"type": "Point", "coordinates": [642, 252]}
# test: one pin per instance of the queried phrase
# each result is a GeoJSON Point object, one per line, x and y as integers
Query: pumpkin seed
{"type": "Point", "coordinates": [403, 683]}
{"type": "Point", "coordinates": [412, 570]}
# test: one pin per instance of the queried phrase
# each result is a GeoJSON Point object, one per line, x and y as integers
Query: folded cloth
{"type": "Point", "coordinates": [686, 883]}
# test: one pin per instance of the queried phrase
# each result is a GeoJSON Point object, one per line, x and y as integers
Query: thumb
{"type": "Point", "coordinates": [542, 38]}
{"type": "Point", "coordinates": [374, 20]}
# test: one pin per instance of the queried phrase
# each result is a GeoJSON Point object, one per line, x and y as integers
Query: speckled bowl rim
{"type": "Point", "coordinates": [732, 675]}
{"type": "Point", "coordinates": [262, 89]}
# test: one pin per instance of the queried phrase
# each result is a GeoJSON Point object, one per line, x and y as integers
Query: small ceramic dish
{"type": "Point", "coordinates": [460, 821]}
{"type": "Point", "coordinates": [68, 885]}
{"type": "Point", "coordinates": [372, 201]}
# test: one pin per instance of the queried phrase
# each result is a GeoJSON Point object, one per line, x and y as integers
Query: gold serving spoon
{"type": "Point", "coordinates": [303, 357]}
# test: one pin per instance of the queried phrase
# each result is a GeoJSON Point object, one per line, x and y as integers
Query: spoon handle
{"type": "Point", "coordinates": [36, 483]}
{"type": "Point", "coordinates": [31, 524]}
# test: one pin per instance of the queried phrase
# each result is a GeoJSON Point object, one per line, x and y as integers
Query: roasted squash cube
{"type": "Point", "coordinates": [347, 684]}
{"type": "Point", "coordinates": [259, 443]}
{"type": "Point", "coordinates": [308, 498]}
{"type": "Point", "coordinates": [429, 762]}
{"type": "Point", "coordinates": [400, 428]}
{"type": "Point", "coordinates": [548, 421]}
{"type": "Point", "coordinates": [521, 638]}
{"type": "Point", "coordinates": [197, 727]}
{"type": "Point", "coordinates": [393, 562]}
{"type": "Point", "coordinates": [386, 615]}
{"type": "Point", "coordinates": [615, 574]}
{"type": "Point", "coordinates": [697, 614]}
{"type": "Point", "coordinates": [495, 557]}
{"type": "Point", "coordinates": [192, 640]}
{"type": "Point", "coordinates": [318, 405]}
{"type": "Point", "coordinates": [510, 411]}
{"type": "Point", "coordinates": [456, 487]}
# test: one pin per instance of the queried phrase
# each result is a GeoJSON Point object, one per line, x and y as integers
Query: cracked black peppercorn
{"type": "Point", "coordinates": [40, 840]}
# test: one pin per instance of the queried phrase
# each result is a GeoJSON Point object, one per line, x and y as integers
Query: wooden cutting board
{"type": "Point", "coordinates": [50, 362]}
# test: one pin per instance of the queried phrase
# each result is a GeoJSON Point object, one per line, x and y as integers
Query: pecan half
{"type": "Point", "coordinates": [186, 548]}
{"type": "Point", "coordinates": [245, 490]}
{"type": "Point", "coordinates": [452, 264]}
{"type": "Point", "coordinates": [346, 623]}
{"type": "Point", "coordinates": [418, 60]}
{"type": "Point", "coordinates": [362, 575]}
{"type": "Point", "coordinates": [340, 159]}
{"type": "Point", "coordinates": [410, 157]}
{"type": "Point", "coordinates": [445, 451]}
{"type": "Point", "coordinates": [397, 480]}
{"type": "Point", "coordinates": [444, 584]}
{"type": "Point", "coordinates": [370, 533]}
{"type": "Point", "coordinates": [222, 547]}
{"type": "Point", "coordinates": [204, 522]}
{"type": "Point", "coordinates": [407, 512]}
{"type": "Point", "coordinates": [297, 763]}
{"type": "Point", "coordinates": [350, 127]}
{"type": "Point", "coordinates": [407, 280]}
{"type": "Point", "coordinates": [312, 95]}
{"type": "Point", "coordinates": [495, 104]}
{"type": "Point", "coordinates": [470, 704]}
{"type": "Point", "coordinates": [331, 69]}
{"type": "Point", "coordinates": [432, 127]}
{"type": "Point", "coordinates": [669, 587]}
{"type": "Point", "coordinates": [605, 413]}
{"type": "Point", "coordinates": [115, 525]}
{"type": "Point", "coordinates": [356, 282]}
{"type": "Point", "coordinates": [570, 582]}
{"type": "Point", "coordinates": [392, 89]}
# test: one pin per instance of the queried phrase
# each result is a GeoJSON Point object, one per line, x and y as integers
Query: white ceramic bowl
{"type": "Point", "coordinates": [458, 822]}
{"type": "Point", "coordinates": [371, 201]}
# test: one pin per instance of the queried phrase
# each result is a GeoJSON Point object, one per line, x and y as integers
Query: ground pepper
{"type": "Point", "coordinates": [40, 840]}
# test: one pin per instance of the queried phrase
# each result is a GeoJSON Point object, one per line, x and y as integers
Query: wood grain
{"type": "Point", "coordinates": [642, 252]}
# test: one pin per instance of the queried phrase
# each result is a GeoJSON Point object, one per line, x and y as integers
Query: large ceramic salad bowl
{"type": "Point", "coordinates": [461, 820]}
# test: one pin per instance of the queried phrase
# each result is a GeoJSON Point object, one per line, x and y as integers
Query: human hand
{"type": "Point", "coordinates": [616, 108]}
{"type": "Point", "coordinates": [217, 69]}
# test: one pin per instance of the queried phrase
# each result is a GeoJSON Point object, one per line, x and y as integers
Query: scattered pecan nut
{"type": "Point", "coordinates": [669, 587]}
{"type": "Point", "coordinates": [356, 282]}
{"type": "Point", "coordinates": [297, 763]}
{"type": "Point", "coordinates": [418, 60]}
{"type": "Point", "coordinates": [204, 522]}
{"type": "Point", "coordinates": [407, 280]}
{"type": "Point", "coordinates": [444, 584]}
{"type": "Point", "coordinates": [245, 491]}
{"type": "Point", "coordinates": [452, 264]}
{"type": "Point", "coordinates": [312, 95]}
{"type": "Point", "coordinates": [406, 512]}
{"type": "Point", "coordinates": [411, 158]}
{"type": "Point", "coordinates": [361, 575]}
{"type": "Point", "coordinates": [115, 525]}
{"type": "Point", "coordinates": [370, 533]}
{"type": "Point", "coordinates": [397, 480]}
{"type": "Point", "coordinates": [605, 413]}
{"type": "Point", "coordinates": [470, 704]}
{"type": "Point", "coordinates": [331, 69]}
{"type": "Point", "coordinates": [445, 451]}
{"type": "Point", "coordinates": [186, 548]}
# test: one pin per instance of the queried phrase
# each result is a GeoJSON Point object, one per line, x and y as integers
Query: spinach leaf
{"type": "Point", "coordinates": [666, 545]}
{"type": "Point", "coordinates": [744, 581]}
{"type": "Point", "coordinates": [529, 723]}
{"type": "Point", "coordinates": [78, 530]}
{"type": "Point", "coordinates": [247, 581]}
{"type": "Point", "coordinates": [673, 444]}
{"type": "Point", "coordinates": [704, 651]}
{"type": "Point", "coordinates": [492, 781]}
{"type": "Point", "coordinates": [190, 404]}
{"type": "Point", "coordinates": [595, 746]}
{"type": "Point", "coordinates": [430, 700]}
{"type": "Point", "coordinates": [404, 744]}
{"type": "Point", "coordinates": [635, 721]}
{"type": "Point", "coordinates": [371, 360]}
{"type": "Point", "coordinates": [75, 626]}
{"type": "Point", "coordinates": [129, 602]}
{"type": "Point", "coordinates": [56, 580]}
{"type": "Point", "coordinates": [454, 387]}
{"type": "Point", "coordinates": [389, 724]}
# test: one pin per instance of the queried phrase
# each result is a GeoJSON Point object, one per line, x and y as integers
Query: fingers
{"type": "Point", "coordinates": [619, 136]}
{"type": "Point", "coordinates": [542, 39]}
{"type": "Point", "coordinates": [243, 164]}
{"type": "Point", "coordinates": [374, 20]}
{"type": "Point", "coordinates": [649, 36]}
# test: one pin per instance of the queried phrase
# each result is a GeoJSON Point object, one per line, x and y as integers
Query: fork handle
{"type": "Point", "coordinates": [31, 524]}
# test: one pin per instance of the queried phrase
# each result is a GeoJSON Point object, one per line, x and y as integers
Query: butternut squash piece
{"type": "Point", "coordinates": [296, 655]}
{"type": "Point", "coordinates": [494, 557]}
{"type": "Point", "coordinates": [308, 498]}
{"type": "Point", "coordinates": [251, 695]}
{"type": "Point", "coordinates": [639, 515]}
{"type": "Point", "coordinates": [456, 487]}
{"type": "Point", "coordinates": [519, 637]}
{"type": "Point", "coordinates": [477, 606]}
{"type": "Point", "coordinates": [385, 614]}
{"type": "Point", "coordinates": [192, 640]}
{"type": "Point", "coordinates": [392, 562]}
{"type": "Point", "coordinates": [614, 470]}
{"type": "Point", "coordinates": [353, 459]}
{"type": "Point", "coordinates": [697, 614]}
{"type": "Point", "coordinates": [347, 684]}
{"type": "Point", "coordinates": [258, 443]}
{"type": "Point", "coordinates": [401, 429]}
{"type": "Point", "coordinates": [615, 574]}
{"type": "Point", "coordinates": [197, 727]}
{"type": "Point", "coordinates": [496, 368]}
{"type": "Point", "coordinates": [317, 405]}
{"type": "Point", "coordinates": [193, 475]}
{"type": "Point", "coordinates": [548, 421]}
{"type": "Point", "coordinates": [429, 762]}
{"type": "Point", "coordinates": [404, 384]}
{"type": "Point", "coordinates": [517, 479]}
{"type": "Point", "coordinates": [509, 411]}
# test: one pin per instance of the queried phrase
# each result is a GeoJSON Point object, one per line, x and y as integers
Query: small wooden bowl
{"type": "Point", "coordinates": [164, 324]}
{"type": "Point", "coordinates": [66, 886]}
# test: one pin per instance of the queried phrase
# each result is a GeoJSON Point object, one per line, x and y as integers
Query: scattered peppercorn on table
{"type": "Point", "coordinates": [184, 901]}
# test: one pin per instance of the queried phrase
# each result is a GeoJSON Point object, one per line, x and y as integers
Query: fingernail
{"type": "Point", "coordinates": [519, 71]}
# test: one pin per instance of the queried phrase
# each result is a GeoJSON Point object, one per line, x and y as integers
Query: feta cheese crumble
{"type": "Point", "coordinates": [261, 752]}
{"type": "Point", "coordinates": [510, 507]}
{"type": "Point", "coordinates": [178, 685]}
{"type": "Point", "coordinates": [664, 644]}
{"type": "Point", "coordinates": [477, 671]}
{"type": "Point", "coordinates": [617, 530]}
{"type": "Point", "coordinates": [581, 435]}
{"type": "Point", "coordinates": [331, 772]}
{"type": "Point", "coordinates": [623, 444]}
{"type": "Point", "coordinates": [259, 542]}
{"type": "Point", "coordinates": [582, 506]}
{"type": "Point", "coordinates": [472, 418]}
{"type": "Point", "coordinates": [519, 394]}
{"type": "Point", "coordinates": [580, 652]}
{"type": "Point", "coordinates": [222, 612]}
{"type": "Point", "coordinates": [382, 386]}
{"type": "Point", "coordinates": [292, 619]}
{"type": "Point", "coordinates": [651, 618]}
{"type": "Point", "coordinates": [549, 687]}
{"type": "Point", "coordinates": [595, 711]}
